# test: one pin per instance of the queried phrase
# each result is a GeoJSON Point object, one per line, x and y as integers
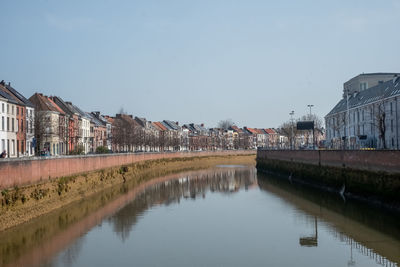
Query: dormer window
{"type": "Point", "coordinates": [363, 86]}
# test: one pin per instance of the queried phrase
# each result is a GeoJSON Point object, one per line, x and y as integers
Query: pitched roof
{"type": "Point", "coordinates": [160, 126]}
{"type": "Point", "coordinates": [7, 96]}
{"type": "Point", "coordinates": [67, 108]}
{"type": "Point", "coordinates": [269, 131]}
{"type": "Point", "coordinates": [172, 125]}
{"type": "Point", "coordinates": [251, 130]}
{"type": "Point", "coordinates": [376, 93]}
{"type": "Point", "coordinates": [56, 106]}
{"type": "Point", "coordinates": [95, 120]}
{"type": "Point", "coordinates": [19, 96]}
{"type": "Point", "coordinates": [43, 103]}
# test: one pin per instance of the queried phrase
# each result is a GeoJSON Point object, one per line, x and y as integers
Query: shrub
{"type": "Point", "coordinates": [101, 150]}
{"type": "Point", "coordinates": [79, 150]}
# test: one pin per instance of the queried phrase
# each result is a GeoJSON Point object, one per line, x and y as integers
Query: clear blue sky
{"type": "Point", "coordinates": [197, 61]}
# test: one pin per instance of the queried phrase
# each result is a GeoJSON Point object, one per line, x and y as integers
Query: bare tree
{"type": "Point", "coordinates": [380, 122]}
{"type": "Point", "coordinates": [289, 130]}
{"type": "Point", "coordinates": [225, 124]}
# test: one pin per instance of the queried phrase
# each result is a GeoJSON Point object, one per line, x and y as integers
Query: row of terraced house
{"type": "Point", "coordinates": [49, 125]}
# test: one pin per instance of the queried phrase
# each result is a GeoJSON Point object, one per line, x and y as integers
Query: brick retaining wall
{"type": "Point", "coordinates": [18, 172]}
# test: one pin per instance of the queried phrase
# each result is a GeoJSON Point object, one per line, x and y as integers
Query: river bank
{"type": "Point", "coordinates": [22, 204]}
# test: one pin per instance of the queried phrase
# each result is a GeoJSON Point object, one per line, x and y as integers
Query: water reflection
{"type": "Point", "coordinates": [190, 186]}
{"type": "Point", "coordinates": [369, 231]}
{"type": "Point", "coordinates": [280, 223]}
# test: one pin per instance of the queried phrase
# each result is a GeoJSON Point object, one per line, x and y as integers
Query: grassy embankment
{"type": "Point", "coordinates": [19, 205]}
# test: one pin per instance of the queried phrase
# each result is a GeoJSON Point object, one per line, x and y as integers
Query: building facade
{"type": "Point", "coordinates": [366, 119]}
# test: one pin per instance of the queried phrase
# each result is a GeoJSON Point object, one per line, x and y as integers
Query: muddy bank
{"type": "Point", "coordinates": [19, 205]}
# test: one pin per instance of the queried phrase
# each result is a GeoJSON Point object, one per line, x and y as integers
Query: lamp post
{"type": "Point", "coordinates": [310, 106]}
{"type": "Point", "coordinates": [348, 120]}
{"type": "Point", "coordinates": [291, 119]}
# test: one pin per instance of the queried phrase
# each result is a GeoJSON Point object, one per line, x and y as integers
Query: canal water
{"type": "Point", "coordinates": [225, 216]}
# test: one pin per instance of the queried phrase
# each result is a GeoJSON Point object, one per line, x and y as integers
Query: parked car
{"type": "Point", "coordinates": [45, 153]}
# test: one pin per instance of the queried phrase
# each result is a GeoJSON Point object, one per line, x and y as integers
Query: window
{"type": "Point", "coordinates": [391, 108]}
{"type": "Point", "coordinates": [8, 108]}
{"type": "Point", "coordinates": [391, 125]}
{"type": "Point", "coordinates": [362, 114]}
{"type": "Point", "coordinates": [17, 124]}
{"type": "Point", "coordinates": [8, 124]}
{"type": "Point", "coordinates": [363, 86]}
{"type": "Point", "coordinates": [22, 125]}
{"type": "Point", "coordinates": [12, 110]}
{"type": "Point", "coordinates": [17, 110]}
{"type": "Point", "coordinates": [2, 123]}
{"type": "Point", "coordinates": [12, 124]}
{"type": "Point", "coordinates": [2, 107]}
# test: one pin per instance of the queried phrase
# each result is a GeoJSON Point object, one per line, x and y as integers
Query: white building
{"type": "Point", "coordinates": [369, 118]}
{"type": "Point", "coordinates": [29, 129]}
{"type": "Point", "coordinates": [10, 126]}
{"type": "Point", "coordinates": [3, 126]}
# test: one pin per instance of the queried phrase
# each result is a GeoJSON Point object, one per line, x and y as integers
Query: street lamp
{"type": "Point", "coordinates": [313, 137]}
{"type": "Point", "coordinates": [348, 120]}
{"type": "Point", "coordinates": [310, 106]}
{"type": "Point", "coordinates": [291, 119]}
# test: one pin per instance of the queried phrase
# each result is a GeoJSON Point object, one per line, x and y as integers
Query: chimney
{"type": "Point", "coordinates": [202, 125]}
{"type": "Point", "coordinates": [9, 83]}
{"type": "Point", "coordinates": [177, 123]}
{"type": "Point", "coordinates": [2, 82]}
{"type": "Point", "coordinates": [67, 102]}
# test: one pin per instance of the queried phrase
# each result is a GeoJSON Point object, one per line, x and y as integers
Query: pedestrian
{"type": "Point", "coordinates": [3, 155]}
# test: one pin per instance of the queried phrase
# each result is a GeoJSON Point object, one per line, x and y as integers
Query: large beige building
{"type": "Point", "coordinates": [366, 80]}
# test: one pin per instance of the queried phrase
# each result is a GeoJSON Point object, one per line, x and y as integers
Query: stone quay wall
{"type": "Point", "coordinates": [367, 160]}
{"type": "Point", "coordinates": [370, 175]}
{"type": "Point", "coordinates": [20, 172]}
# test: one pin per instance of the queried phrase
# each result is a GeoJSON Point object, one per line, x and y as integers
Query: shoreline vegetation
{"type": "Point", "coordinates": [22, 204]}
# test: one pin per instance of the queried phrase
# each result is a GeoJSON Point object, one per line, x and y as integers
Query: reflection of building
{"type": "Point", "coordinates": [193, 185]}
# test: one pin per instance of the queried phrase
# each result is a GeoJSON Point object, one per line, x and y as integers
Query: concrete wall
{"type": "Point", "coordinates": [29, 171]}
{"type": "Point", "coordinates": [375, 160]}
